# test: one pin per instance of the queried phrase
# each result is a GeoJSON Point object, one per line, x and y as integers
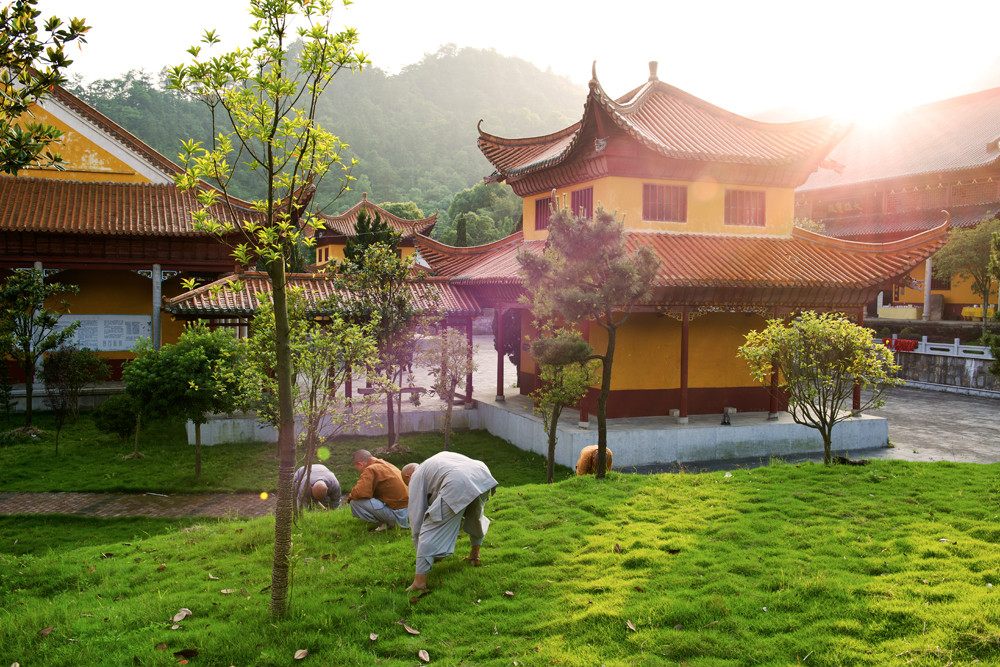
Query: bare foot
{"type": "Point", "coordinates": [475, 561]}
{"type": "Point", "coordinates": [415, 588]}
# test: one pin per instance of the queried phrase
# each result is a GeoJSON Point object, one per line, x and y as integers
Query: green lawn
{"type": "Point", "coordinates": [89, 460]}
{"type": "Point", "coordinates": [895, 563]}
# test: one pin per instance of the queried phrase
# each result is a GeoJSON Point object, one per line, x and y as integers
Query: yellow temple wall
{"type": "Point", "coordinates": [82, 159]}
{"type": "Point", "coordinates": [335, 251]}
{"type": "Point", "coordinates": [705, 206]}
{"type": "Point", "coordinates": [961, 291]}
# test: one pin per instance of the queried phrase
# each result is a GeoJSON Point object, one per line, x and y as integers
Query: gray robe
{"type": "Point", "coordinates": [319, 473]}
{"type": "Point", "coordinates": [447, 491]}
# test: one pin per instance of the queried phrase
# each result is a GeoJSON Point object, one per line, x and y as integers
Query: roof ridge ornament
{"type": "Point", "coordinates": [652, 70]}
{"type": "Point", "coordinates": [593, 75]}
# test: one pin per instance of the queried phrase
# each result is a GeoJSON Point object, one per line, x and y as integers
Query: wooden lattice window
{"type": "Point", "coordinates": [973, 193]}
{"type": "Point", "coordinates": [543, 209]}
{"type": "Point", "coordinates": [664, 203]}
{"type": "Point", "coordinates": [581, 203]}
{"type": "Point", "coordinates": [897, 202]}
{"type": "Point", "coordinates": [745, 207]}
{"type": "Point", "coordinates": [942, 284]}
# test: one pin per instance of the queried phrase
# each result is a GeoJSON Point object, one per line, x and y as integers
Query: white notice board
{"type": "Point", "coordinates": [108, 333]}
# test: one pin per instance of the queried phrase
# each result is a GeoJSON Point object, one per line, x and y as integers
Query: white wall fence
{"type": "Point", "coordinates": [955, 349]}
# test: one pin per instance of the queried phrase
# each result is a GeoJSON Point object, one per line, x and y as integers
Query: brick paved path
{"type": "Point", "coordinates": [106, 505]}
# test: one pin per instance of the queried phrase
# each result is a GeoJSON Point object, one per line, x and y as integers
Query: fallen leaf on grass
{"type": "Point", "coordinates": [161, 568]}
{"type": "Point", "coordinates": [161, 646]}
{"type": "Point", "coordinates": [410, 630]}
{"type": "Point", "coordinates": [45, 632]}
{"type": "Point", "coordinates": [639, 589]}
{"type": "Point", "coordinates": [414, 599]}
{"type": "Point", "coordinates": [212, 577]}
{"type": "Point", "coordinates": [228, 591]}
{"type": "Point", "coordinates": [93, 568]}
{"type": "Point", "coordinates": [630, 626]}
{"type": "Point", "coordinates": [509, 594]}
{"type": "Point", "coordinates": [107, 554]}
{"type": "Point", "coordinates": [618, 548]}
{"type": "Point", "coordinates": [424, 655]}
{"type": "Point", "coordinates": [181, 614]}
{"type": "Point", "coordinates": [301, 653]}
{"type": "Point", "coordinates": [186, 653]}
{"type": "Point", "coordinates": [175, 627]}
{"type": "Point", "coordinates": [673, 551]}
{"type": "Point", "coordinates": [373, 636]}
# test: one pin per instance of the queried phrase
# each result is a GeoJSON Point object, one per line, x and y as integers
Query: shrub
{"type": "Point", "coordinates": [117, 415]}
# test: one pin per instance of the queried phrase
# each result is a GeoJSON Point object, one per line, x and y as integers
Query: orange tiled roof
{"type": "Point", "coordinates": [674, 124]}
{"type": "Point", "coordinates": [80, 207]}
{"type": "Point", "coordinates": [949, 135]}
{"type": "Point", "coordinates": [218, 299]}
{"type": "Point", "coordinates": [693, 261]}
{"type": "Point", "coordinates": [346, 223]}
{"type": "Point", "coordinates": [901, 225]}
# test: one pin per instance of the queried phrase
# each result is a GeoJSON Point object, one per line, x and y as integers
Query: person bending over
{"type": "Point", "coordinates": [380, 496]}
{"type": "Point", "coordinates": [322, 487]}
{"type": "Point", "coordinates": [448, 491]}
{"type": "Point", "coordinates": [587, 463]}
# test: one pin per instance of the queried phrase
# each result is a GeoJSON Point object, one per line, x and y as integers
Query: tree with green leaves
{"type": "Point", "coordinates": [967, 254]}
{"type": "Point", "coordinates": [449, 361]}
{"type": "Point", "coordinates": [369, 231]}
{"type": "Point", "coordinates": [263, 99]}
{"type": "Point", "coordinates": [586, 274]}
{"type": "Point", "coordinates": [407, 210]}
{"type": "Point", "coordinates": [192, 378]}
{"type": "Point", "coordinates": [820, 358]}
{"type": "Point", "coordinates": [32, 61]}
{"type": "Point", "coordinates": [375, 288]}
{"type": "Point", "coordinates": [566, 372]}
{"type": "Point", "coordinates": [65, 372]}
{"type": "Point", "coordinates": [119, 415]}
{"type": "Point", "coordinates": [32, 326]}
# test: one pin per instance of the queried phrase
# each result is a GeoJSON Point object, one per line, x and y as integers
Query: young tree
{"type": "Point", "coordinates": [67, 370]}
{"type": "Point", "coordinates": [269, 95]}
{"type": "Point", "coordinates": [376, 289]}
{"type": "Point", "coordinates": [30, 65]}
{"type": "Point", "coordinates": [967, 253]}
{"type": "Point", "coordinates": [193, 378]}
{"type": "Point", "coordinates": [449, 360]}
{"type": "Point", "coordinates": [820, 357]}
{"type": "Point", "coordinates": [566, 375]}
{"type": "Point", "coordinates": [587, 274]}
{"type": "Point", "coordinates": [118, 415]}
{"type": "Point", "coordinates": [32, 326]}
{"type": "Point", "coordinates": [368, 232]}
{"type": "Point", "coordinates": [6, 379]}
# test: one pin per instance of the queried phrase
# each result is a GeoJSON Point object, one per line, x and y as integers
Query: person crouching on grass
{"type": "Point", "coordinates": [380, 496]}
{"type": "Point", "coordinates": [448, 491]}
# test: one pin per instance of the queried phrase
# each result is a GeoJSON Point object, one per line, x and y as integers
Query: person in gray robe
{"type": "Point", "coordinates": [447, 491]}
{"type": "Point", "coordinates": [323, 487]}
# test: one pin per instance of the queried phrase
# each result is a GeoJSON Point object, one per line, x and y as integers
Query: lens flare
{"type": "Point", "coordinates": [263, 495]}
{"type": "Point", "coordinates": [323, 453]}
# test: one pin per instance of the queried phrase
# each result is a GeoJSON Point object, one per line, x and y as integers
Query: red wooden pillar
{"type": "Point", "coordinates": [685, 335]}
{"type": "Point", "coordinates": [468, 376]}
{"type": "Point", "coordinates": [584, 415]}
{"type": "Point", "coordinates": [500, 364]}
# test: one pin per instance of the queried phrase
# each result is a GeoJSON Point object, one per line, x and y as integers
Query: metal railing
{"type": "Point", "coordinates": [955, 349]}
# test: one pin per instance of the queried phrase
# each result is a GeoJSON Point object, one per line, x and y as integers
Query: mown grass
{"type": "Point", "coordinates": [89, 460]}
{"type": "Point", "coordinates": [895, 563]}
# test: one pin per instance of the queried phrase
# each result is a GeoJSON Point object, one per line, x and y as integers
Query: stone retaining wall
{"type": "Point", "coordinates": [962, 372]}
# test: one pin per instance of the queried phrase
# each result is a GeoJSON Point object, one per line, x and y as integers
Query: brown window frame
{"type": "Point", "coordinates": [664, 203]}
{"type": "Point", "coordinates": [746, 207]}
{"type": "Point", "coordinates": [543, 210]}
{"type": "Point", "coordinates": [582, 199]}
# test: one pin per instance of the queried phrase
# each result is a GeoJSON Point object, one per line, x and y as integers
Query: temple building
{"type": "Point", "coordinates": [892, 180]}
{"type": "Point", "coordinates": [713, 194]}
{"type": "Point", "coordinates": [112, 223]}
{"type": "Point", "coordinates": [332, 239]}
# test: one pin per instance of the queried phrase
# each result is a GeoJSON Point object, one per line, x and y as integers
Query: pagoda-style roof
{"type": "Point", "coordinates": [104, 208]}
{"type": "Point", "coordinates": [672, 124]}
{"type": "Point", "coordinates": [346, 223]}
{"type": "Point", "coordinates": [220, 299]}
{"type": "Point", "coordinates": [884, 226]}
{"type": "Point", "coordinates": [956, 134]}
{"type": "Point", "coordinates": [805, 268]}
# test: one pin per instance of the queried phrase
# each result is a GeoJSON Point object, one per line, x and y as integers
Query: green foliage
{"type": "Point", "coordinates": [480, 214]}
{"type": "Point", "coordinates": [368, 232]}
{"type": "Point", "coordinates": [30, 326]}
{"type": "Point", "coordinates": [847, 561]}
{"type": "Point", "coordinates": [30, 65]}
{"type": "Point", "coordinates": [67, 370]}
{"type": "Point", "coordinates": [566, 373]}
{"type": "Point", "coordinates": [820, 358]}
{"type": "Point", "coordinates": [117, 416]}
{"type": "Point", "coordinates": [967, 254]}
{"type": "Point", "coordinates": [586, 274]}
{"type": "Point", "coordinates": [407, 210]}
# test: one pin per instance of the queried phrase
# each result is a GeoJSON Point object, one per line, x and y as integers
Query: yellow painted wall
{"type": "Point", "coordinates": [335, 251]}
{"type": "Point", "coordinates": [960, 292]}
{"type": "Point", "coordinates": [83, 160]}
{"type": "Point", "coordinates": [714, 340]}
{"type": "Point", "coordinates": [118, 293]}
{"type": "Point", "coordinates": [705, 207]}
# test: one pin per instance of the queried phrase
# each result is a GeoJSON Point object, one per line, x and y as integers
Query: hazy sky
{"type": "Point", "coordinates": [847, 56]}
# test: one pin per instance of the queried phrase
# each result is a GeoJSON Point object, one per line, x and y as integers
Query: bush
{"type": "Point", "coordinates": [117, 415]}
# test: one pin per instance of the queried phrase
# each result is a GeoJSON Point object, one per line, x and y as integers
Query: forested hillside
{"type": "Point", "coordinates": [413, 133]}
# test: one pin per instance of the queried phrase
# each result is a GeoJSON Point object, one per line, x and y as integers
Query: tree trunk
{"type": "Point", "coordinates": [390, 421]}
{"type": "Point", "coordinates": [449, 406]}
{"type": "Point", "coordinates": [827, 433]}
{"type": "Point", "coordinates": [197, 450]}
{"type": "Point", "coordinates": [553, 426]}
{"type": "Point", "coordinates": [602, 405]}
{"type": "Point", "coordinates": [285, 507]}
{"type": "Point", "coordinates": [29, 376]}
